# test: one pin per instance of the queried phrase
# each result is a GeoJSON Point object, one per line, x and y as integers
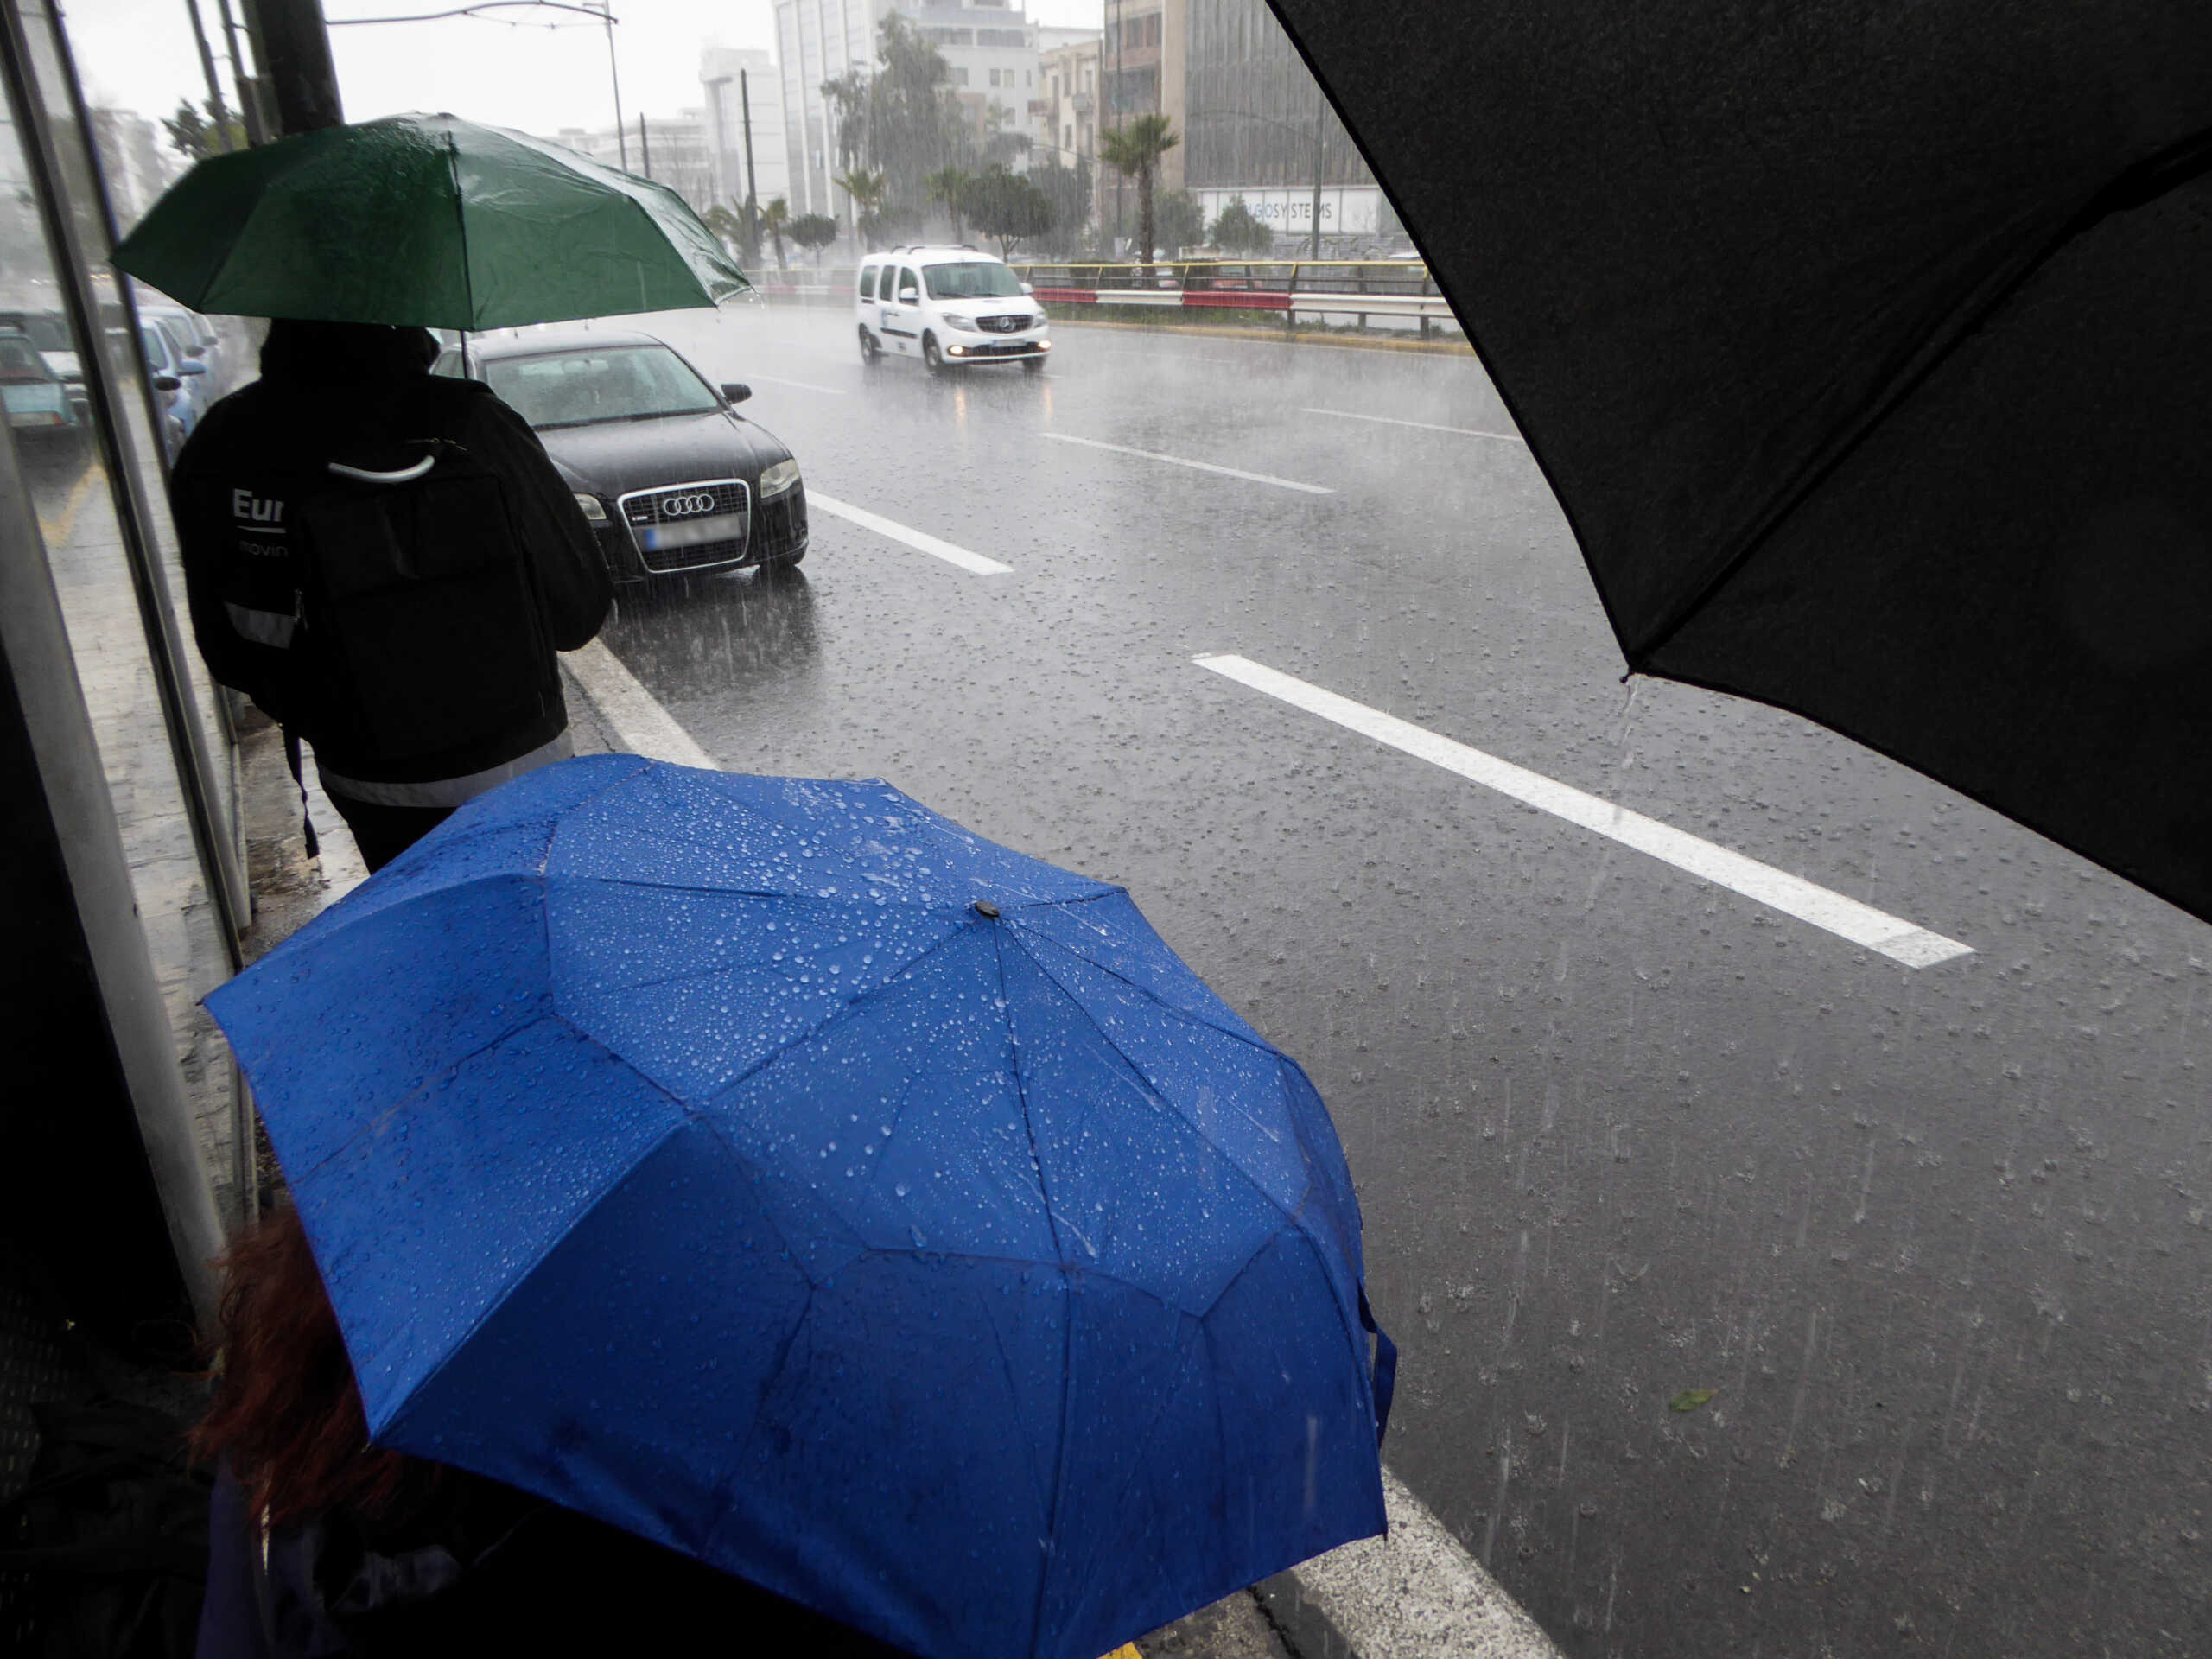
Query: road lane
{"type": "Point", "coordinates": [1936, 1240]}
{"type": "Point", "coordinates": [1900, 941]}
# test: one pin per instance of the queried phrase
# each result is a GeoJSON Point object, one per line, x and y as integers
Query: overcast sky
{"type": "Point", "coordinates": [139, 55]}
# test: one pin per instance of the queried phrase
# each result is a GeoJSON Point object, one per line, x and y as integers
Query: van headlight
{"type": "Point", "coordinates": [591, 507]}
{"type": "Point", "coordinates": [775, 479]}
{"type": "Point", "coordinates": [959, 321]}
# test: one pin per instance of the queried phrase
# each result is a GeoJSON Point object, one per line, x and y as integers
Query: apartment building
{"type": "Point", "coordinates": [745, 123]}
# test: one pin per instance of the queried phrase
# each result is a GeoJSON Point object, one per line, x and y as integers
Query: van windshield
{"type": "Point", "coordinates": [971, 279]}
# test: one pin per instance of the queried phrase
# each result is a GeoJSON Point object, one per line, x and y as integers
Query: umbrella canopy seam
{"type": "Point", "coordinates": [2170, 167]}
{"type": "Point", "coordinates": [460, 224]}
{"type": "Point", "coordinates": [1294, 1218]}
{"type": "Point", "coordinates": [1157, 1000]}
{"type": "Point", "coordinates": [1067, 1326]}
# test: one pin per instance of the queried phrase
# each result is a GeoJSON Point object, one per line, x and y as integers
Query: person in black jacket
{"type": "Point", "coordinates": [387, 563]}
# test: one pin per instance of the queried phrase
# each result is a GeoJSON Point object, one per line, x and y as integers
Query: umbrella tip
{"type": "Point", "coordinates": [985, 907]}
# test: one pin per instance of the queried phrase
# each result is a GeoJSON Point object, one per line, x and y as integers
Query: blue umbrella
{"type": "Point", "coordinates": [775, 1170]}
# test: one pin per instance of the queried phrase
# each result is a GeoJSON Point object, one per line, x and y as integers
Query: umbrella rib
{"type": "Point", "coordinates": [1067, 1325]}
{"type": "Point", "coordinates": [461, 228]}
{"type": "Point", "coordinates": [2133, 187]}
{"type": "Point", "coordinates": [814, 1031]}
{"type": "Point", "coordinates": [1152, 1088]}
{"type": "Point", "coordinates": [1154, 997]}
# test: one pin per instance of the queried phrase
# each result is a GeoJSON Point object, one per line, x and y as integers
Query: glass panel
{"type": "Point", "coordinates": [79, 509]}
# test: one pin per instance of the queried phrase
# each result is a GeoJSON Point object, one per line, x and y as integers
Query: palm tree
{"type": "Point", "coordinates": [1133, 150]}
{"type": "Point", "coordinates": [775, 219]}
{"type": "Point", "coordinates": [948, 185]}
{"type": "Point", "coordinates": [866, 187]}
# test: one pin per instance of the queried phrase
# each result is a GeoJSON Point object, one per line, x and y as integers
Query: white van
{"type": "Point", "coordinates": [949, 307]}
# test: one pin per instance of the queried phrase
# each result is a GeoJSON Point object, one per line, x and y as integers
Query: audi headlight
{"type": "Point", "coordinates": [775, 479]}
{"type": "Point", "coordinates": [591, 508]}
{"type": "Point", "coordinates": [959, 321]}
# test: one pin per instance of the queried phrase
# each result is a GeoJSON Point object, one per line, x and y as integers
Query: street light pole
{"type": "Point", "coordinates": [621, 143]}
{"type": "Point", "coordinates": [751, 186]}
{"type": "Point", "coordinates": [214, 87]}
{"type": "Point", "coordinates": [1320, 126]}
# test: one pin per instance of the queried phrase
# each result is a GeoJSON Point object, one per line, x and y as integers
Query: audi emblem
{"type": "Point", "coordinates": [683, 507]}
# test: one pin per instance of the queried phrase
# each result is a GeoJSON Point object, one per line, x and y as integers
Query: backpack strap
{"type": "Point", "coordinates": [307, 822]}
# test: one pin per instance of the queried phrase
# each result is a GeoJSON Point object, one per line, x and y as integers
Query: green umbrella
{"type": "Point", "coordinates": [426, 219]}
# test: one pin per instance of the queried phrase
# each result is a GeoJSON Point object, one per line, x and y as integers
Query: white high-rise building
{"type": "Point", "coordinates": [744, 98]}
{"type": "Point", "coordinates": [989, 46]}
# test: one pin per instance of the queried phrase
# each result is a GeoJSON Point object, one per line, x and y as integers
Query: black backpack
{"type": "Point", "coordinates": [413, 628]}
{"type": "Point", "coordinates": [108, 1539]}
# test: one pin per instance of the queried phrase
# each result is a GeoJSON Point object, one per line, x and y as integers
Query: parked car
{"type": "Point", "coordinates": [35, 397]}
{"type": "Point", "coordinates": [952, 308]}
{"type": "Point", "coordinates": [195, 341]}
{"type": "Point", "coordinates": [673, 479]}
{"type": "Point", "coordinates": [181, 386]}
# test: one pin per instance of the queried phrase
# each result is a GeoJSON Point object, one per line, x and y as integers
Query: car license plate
{"type": "Point", "coordinates": [723, 527]}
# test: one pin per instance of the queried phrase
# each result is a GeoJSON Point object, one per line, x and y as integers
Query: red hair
{"type": "Point", "coordinates": [287, 1417]}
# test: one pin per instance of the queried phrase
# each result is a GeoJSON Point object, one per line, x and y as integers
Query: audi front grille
{"type": "Point", "coordinates": [688, 526]}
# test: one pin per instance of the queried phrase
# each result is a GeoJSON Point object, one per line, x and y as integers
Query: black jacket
{"type": "Point", "coordinates": [463, 677]}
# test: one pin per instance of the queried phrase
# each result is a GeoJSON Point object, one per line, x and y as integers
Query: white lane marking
{"type": "Point", "coordinates": [1793, 895]}
{"type": "Point", "coordinates": [975, 562]}
{"type": "Point", "coordinates": [1200, 466]}
{"type": "Point", "coordinates": [1426, 426]}
{"type": "Point", "coordinates": [1417, 1594]}
{"type": "Point", "coordinates": [804, 386]}
{"type": "Point", "coordinates": [629, 711]}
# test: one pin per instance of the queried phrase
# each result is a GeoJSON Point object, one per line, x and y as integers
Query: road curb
{"type": "Point", "coordinates": [1433, 348]}
{"type": "Point", "coordinates": [1415, 1594]}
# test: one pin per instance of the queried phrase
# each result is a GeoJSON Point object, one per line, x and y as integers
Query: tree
{"type": "Point", "coordinates": [1133, 150]}
{"type": "Point", "coordinates": [866, 187]}
{"type": "Point", "coordinates": [813, 231]}
{"type": "Point", "coordinates": [947, 185]}
{"type": "Point", "coordinates": [195, 131]}
{"type": "Point", "coordinates": [776, 220]}
{"type": "Point", "coordinates": [1239, 230]}
{"type": "Point", "coordinates": [914, 127]}
{"type": "Point", "coordinates": [1182, 221]}
{"type": "Point", "coordinates": [1001, 144]}
{"type": "Point", "coordinates": [848, 95]}
{"type": "Point", "coordinates": [1006, 206]}
{"type": "Point", "coordinates": [1068, 188]}
{"type": "Point", "coordinates": [730, 227]}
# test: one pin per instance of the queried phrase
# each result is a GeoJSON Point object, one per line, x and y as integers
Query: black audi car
{"type": "Point", "coordinates": [674, 479]}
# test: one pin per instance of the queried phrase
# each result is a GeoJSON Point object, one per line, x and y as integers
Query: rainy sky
{"type": "Point", "coordinates": [139, 55]}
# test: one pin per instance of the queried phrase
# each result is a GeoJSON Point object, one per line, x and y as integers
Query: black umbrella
{"type": "Point", "coordinates": [1868, 347]}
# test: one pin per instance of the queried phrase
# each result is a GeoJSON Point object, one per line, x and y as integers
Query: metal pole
{"type": "Point", "coordinates": [294, 48]}
{"type": "Point", "coordinates": [214, 86]}
{"type": "Point", "coordinates": [644, 147]}
{"type": "Point", "coordinates": [1320, 121]}
{"type": "Point", "coordinates": [256, 129]}
{"type": "Point", "coordinates": [752, 187]}
{"type": "Point", "coordinates": [614, 75]}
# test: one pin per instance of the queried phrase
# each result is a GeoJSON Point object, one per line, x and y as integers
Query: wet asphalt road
{"type": "Point", "coordinates": [1939, 1241]}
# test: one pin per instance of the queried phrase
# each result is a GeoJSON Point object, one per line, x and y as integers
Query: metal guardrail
{"type": "Point", "coordinates": [1358, 288]}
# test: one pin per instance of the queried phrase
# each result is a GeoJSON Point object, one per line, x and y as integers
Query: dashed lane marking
{"type": "Point", "coordinates": [804, 386]}
{"type": "Point", "coordinates": [1425, 426]}
{"type": "Point", "coordinates": [1197, 466]}
{"type": "Point", "coordinates": [974, 563]}
{"type": "Point", "coordinates": [1862, 925]}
